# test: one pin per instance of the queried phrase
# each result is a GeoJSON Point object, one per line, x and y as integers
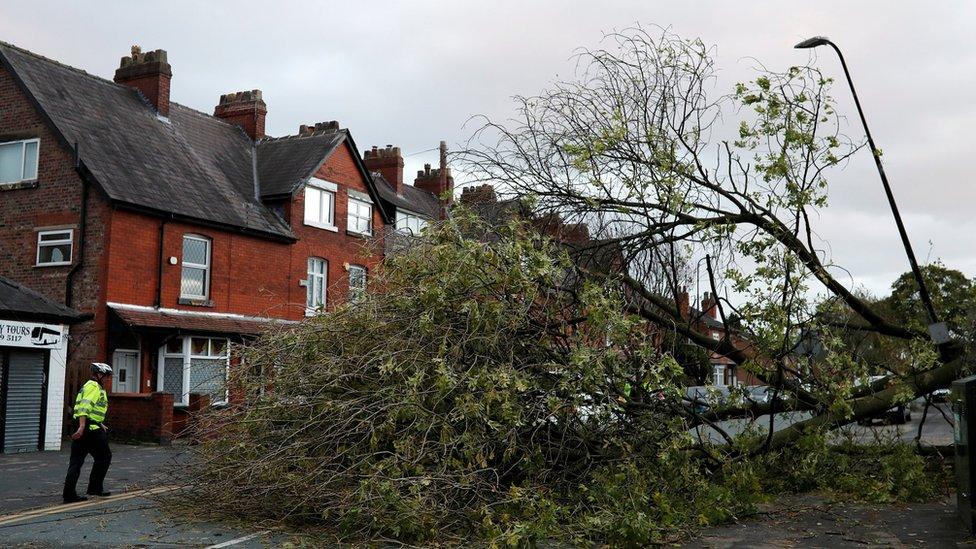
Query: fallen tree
{"type": "Point", "coordinates": [667, 173]}
{"type": "Point", "coordinates": [499, 385]}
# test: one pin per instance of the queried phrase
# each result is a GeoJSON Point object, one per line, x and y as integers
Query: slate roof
{"type": "Point", "coordinates": [192, 165]}
{"type": "Point", "coordinates": [412, 199]}
{"type": "Point", "coordinates": [18, 302]}
{"type": "Point", "coordinates": [197, 323]}
{"type": "Point", "coordinates": [284, 163]}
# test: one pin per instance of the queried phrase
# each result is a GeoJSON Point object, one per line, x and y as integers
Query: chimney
{"type": "Point", "coordinates": [306, 130]}
{"type": "Point", "coordinates": [708, 305]}
{"type": "Point", "coordinates": [684, 302]}
{"type": "Point", "coordinates": [149, 73]}
{"type": "Point", "coordinates": [480, 194]}
{"type": "Point", "coordinates": [437, 181]}
{"type": "Point", "coordinates": [245, 109]}
{"type": "Point", "coordinates": [388, 162]}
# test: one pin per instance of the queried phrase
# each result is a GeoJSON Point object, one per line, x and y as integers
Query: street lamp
{"type": "Point", "coordinates": [937, 330]}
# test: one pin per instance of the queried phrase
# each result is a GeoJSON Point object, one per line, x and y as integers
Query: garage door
{"type": "Point", "coordinates": [24, 396]}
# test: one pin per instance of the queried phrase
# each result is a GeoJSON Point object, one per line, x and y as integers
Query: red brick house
{"type": "Point", "coordinates": [179, 231]}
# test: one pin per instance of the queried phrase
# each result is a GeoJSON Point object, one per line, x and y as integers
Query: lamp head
{"type": "Point", "coordinates": [812, 42]}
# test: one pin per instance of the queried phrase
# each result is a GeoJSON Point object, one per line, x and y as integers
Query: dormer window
{"type": "Point", "coordinates": [320, 204]}
{"type": "Point", "coordinates": [360, 214]}
{"type": "Point", "coordinates": [18, 161]}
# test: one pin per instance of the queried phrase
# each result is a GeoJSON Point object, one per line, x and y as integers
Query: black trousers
{"type": "Point", "coordinates": [94, 442]}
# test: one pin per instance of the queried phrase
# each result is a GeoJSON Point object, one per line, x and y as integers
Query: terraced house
{"type": "Point", "coordinates": [168, 233]}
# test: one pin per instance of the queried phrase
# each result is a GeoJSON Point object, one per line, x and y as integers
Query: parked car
{"type": "Point", "coordinates": [939, 395]}
{"type": "Point", "coordinates": [899, 414]}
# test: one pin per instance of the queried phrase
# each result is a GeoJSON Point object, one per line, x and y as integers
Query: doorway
{"type": "Point", "coordinates": [125, 363]}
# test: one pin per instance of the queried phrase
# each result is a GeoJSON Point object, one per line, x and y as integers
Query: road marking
{"type": "Point", "coordinates": [94, 502]}
{"type": "Point", "coordinates": [237, 540]}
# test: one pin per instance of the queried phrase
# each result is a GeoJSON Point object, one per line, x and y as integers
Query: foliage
{"type": "Point", "coordinates": [462, 399]}
{"type": "Point", "coordinates": [953, 295]}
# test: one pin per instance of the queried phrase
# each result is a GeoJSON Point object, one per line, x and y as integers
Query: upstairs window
{"type": "Point", "coordinates": [320, 204]}
{"type": "Point", "coordinates": [18, 160]}
{"type": "Point", "coordinates": [409, 222]}
{"type": "Point", "coordinates": [360, 219]}
{"type": "Point", "coordinates": [195, 281]}
{"type": "Point", "coordinates": [318, 273]}
{"type": "Point", "coordinates": [54, 247]}
{"type": "Point", "coordinates": [357, 282]}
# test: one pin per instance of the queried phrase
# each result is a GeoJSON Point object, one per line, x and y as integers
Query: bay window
{"type": "Point", "coordinates": [194, 365]}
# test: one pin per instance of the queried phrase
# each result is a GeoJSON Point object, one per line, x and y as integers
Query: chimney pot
{"type": "Point", "coordinates": [388, 163]}
{"type": "Point", "coordinates": [148, 72]}
{"type": "Point", "coordinates": [245, 109]}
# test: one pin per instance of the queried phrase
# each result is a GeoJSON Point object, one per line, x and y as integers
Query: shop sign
{"type": "Point", "coordinates": [30, 335]}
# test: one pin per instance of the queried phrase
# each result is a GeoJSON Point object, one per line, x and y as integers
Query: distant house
{"type": "Point", "coordinates": [175, 231]}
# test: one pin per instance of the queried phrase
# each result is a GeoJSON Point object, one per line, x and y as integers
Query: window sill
{"type": "Point", "coordinates": [322, 226]}
{"type": "Point", "coordinates": [351, 232]}
{"type": "Point", "coordinates": [196, 302]}
{"type": "Point", "coordinates": [61, 264]}
{"type": "Point", "coordinates": [26, 184]}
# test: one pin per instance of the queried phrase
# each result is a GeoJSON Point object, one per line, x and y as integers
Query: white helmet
{"type": "Point", "coordinates": [101, 368]}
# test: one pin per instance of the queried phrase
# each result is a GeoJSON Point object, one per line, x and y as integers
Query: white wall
{"type": "Point", "coordinates": [55, 396]}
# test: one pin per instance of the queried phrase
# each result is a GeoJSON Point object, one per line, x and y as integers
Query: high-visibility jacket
{"type": "Point", "coordinates": [91, 402]}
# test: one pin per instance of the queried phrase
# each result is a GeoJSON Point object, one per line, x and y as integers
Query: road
{"type": "Point", "coordinates": [32, 515]}
{"type": "Point", "coordinates": [936, 431]}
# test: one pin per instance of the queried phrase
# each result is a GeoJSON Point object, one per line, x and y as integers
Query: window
{"type": "Point", "coordinates": [409, 222]}
{"type": "Point", "coordinates": [195, 365]}
{"type": "Point", "coordinates": [320, 204]}
{"type": "Point", "coordinates": [54, 247]}
{"type": "Point", "coordinates": [360, 216]}
{"type": "Point", "coordinates": [318, 274]}
{"type": "Point", "coordinates": [357, 282]}
{"type": "Point", "coordinates": [18, 160]}
{"type": "Point", "coordinates": [195, 281]}
{"type": "Point", "coordinates": [719, 375]}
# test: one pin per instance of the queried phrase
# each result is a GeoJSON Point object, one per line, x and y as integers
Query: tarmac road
{"type": "Point", "coordinates": [32, 515]}
{"type": "Point", "coordinates": [936, 431]}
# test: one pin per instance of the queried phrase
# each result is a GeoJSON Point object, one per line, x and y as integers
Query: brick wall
{"type": "Point", "coordinates": [54, 200]}
{"type": "Point", "coordinates": [249, 275]}
{"type": "Point", "coordinates": [144, 417]}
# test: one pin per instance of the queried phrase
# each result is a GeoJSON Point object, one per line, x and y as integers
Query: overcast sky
{"type": "Point", "coordinates": [411, 74]}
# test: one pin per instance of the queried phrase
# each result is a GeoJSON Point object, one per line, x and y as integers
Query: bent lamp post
{"type": "Point", "coordinates": [938, 331]}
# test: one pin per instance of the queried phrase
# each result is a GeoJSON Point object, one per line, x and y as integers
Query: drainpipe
{"type": "Point", "coordinates": [162, 259]}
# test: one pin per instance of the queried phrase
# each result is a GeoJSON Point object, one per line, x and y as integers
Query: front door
{"type": "Point", "coordinates": [126, 365]}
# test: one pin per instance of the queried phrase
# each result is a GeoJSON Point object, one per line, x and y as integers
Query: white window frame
{"type": "Point", "coordinates": [204, 266]}
{"type": "Point", "coordinates": [359, 290]}
{"type": "Point", "coordinates": [353, 219]}
{"type": "Point", "coordinates": [404, 220]}
{"type": "Point", "coordinates": [23, 159]}
{"type": "Point", "coordinates": [321, 188]}
{"type": "Point", "coordinates": [187, 357]}
{"type": "Point", "coordinates": [718, 375]}
{"type": "Point", "coordinates": [69, 241]}
{"type": "Point", "coordinates": [312, 309]}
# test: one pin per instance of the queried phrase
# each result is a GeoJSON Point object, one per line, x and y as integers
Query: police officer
{"type": "Point", "coordinates": [91, 405]}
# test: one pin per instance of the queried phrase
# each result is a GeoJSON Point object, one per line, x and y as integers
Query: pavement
{"type": "Point", "coordinates": [810, 520]}
{"type": "Point", "coordinates": [32, 514]}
